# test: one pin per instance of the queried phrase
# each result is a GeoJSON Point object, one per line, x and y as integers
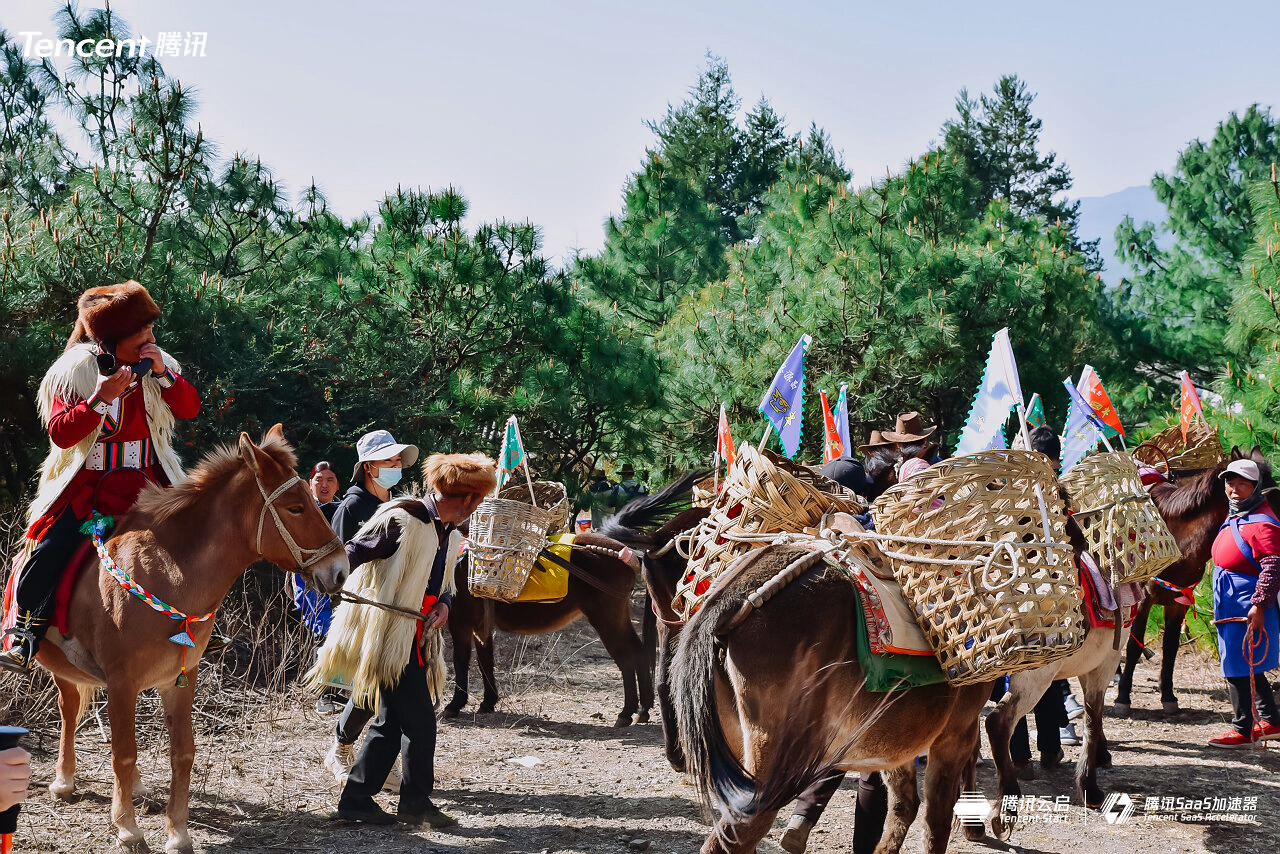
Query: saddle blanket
{"type": "Point", "coordinates": [549, 582]}
{"type": "Point", "coordinates": [1100, 601]}
{"type": "Point", "coordinates": [62, 598]}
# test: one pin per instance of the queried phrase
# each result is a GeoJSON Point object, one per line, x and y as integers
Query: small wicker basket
{"type": "Point", "coordinates": [763, 495]}
{"type": "Point", "coordinates": [505, 539]}
{"type": "Point", "coordinates": [1126, 533]}
{"type": "Point", "coordinates": [1168, 452]}
{"type": "Point", "coordinates": [967, 544]}
{"type": "Point", "coordinates": [549, 495]}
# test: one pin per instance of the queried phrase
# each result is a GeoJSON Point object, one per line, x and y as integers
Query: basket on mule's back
{"type": "Point", "coordinates": [549, 495]}
{"type": "Point", "coordinates": [1168, 450]}
{"type": "Point", "coordinates": [764, 495]}
{"type": "Point", "coordinates": [967, 543]}
{"type": "Point", "coordinates": [1126, 534]}
{"type": "Point", "coordinates": [504, 540]}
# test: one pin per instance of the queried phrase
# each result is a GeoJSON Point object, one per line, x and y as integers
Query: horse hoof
{"type": "Point", "coordinates": [180, 845]}
{"type": "Point", "coordinates": [134, 845]}
{"type": "Point", "coordinates": [643, 717]}
{"type": "Point", "coordinates": [975, 832]}
{"type": "Point", "coordinates": [1094, 800]}
{"type": "Point", "coordinates": [487, 707]}
{"type": "Point", "coordinates": [624, 719]}
{"type": "Point", "coordinates": [1122, 710]}
{"type": "Point", "coordinates": [1170, 707]}
{"type": "Point", "coordinates": [1001, 828]}
{"type": "Point", "coordinates": [1104, 761]}
{"type": "Point", "coordinates": [63, 790]}
{"type": "Point", "coordinates": [451, 712]}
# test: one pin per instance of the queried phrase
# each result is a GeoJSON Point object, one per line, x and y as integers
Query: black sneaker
{"type": "Point", "coordinates": [430, 814]}
{"type": "Point", "coordinates": [368, 813]}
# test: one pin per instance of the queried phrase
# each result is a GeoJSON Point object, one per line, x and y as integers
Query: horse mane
{"type": "Point", "coordinates": [1189, 497]}
{"type": "Point", "coordinates": [213, 471]}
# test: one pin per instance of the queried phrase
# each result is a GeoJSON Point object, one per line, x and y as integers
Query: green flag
{"type": "Point", "coordinates": [512, 452]}
{"type": "Point", "coordinates": [1035, 412]}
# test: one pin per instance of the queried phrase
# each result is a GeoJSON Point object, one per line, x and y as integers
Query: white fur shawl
{"type": "Point", "coordinates": [367, 648]}
{"type": "Point", "coordinates": [73, 378]}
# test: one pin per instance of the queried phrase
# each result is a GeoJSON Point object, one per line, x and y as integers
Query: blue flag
{"type": "Point", "coordinates": [999, 392]}
{"type": "Point", "coordinates": [783, 403]}
{"type": "Point", "coordinates": [842, 420]}
{"type": "Point", "coordinates": [1083, 430]}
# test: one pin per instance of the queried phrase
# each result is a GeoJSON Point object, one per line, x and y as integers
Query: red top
{"type": "Point", "coordinates": [70, 423]}
{"type": "Point", "coordinates": [1262, 537]}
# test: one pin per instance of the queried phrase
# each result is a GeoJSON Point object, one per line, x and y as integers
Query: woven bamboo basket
{"type": "Point", "coordinates": [1126, 534]}
{"type": "Point", "coordinates": [1168, 452]}
{"type": "Point", "coordinates": [550, 496]}
{"type": "Point", "coordinates": [763, 495]}
{"type": "Point", "coordinates": [966, 542]}
{"type": "Point", "coordinates": [704, 492]}
{"type": "Point", "coordinates": [505, 539]}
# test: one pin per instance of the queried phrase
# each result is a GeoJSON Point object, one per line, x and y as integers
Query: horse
{"type": "Point", "coordinates": [1194, 507]}
{"type": "Point", "coordinates": [186, 544]}
{"type": "Point", "coordinates": [600, 586]}
{"type": "Point", "coordinates": [771, 699]}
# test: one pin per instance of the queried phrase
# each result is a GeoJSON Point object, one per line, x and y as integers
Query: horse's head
{"type": "Point", "coordinates": [291, 531]}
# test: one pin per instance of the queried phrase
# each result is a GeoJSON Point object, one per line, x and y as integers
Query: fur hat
{"type": "Point", "coordinates": [112, 313]}
{"type": "Point", "coordinates": [460, 474]}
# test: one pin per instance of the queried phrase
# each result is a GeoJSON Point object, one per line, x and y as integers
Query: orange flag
{"type": "Point", "coordinates": [1191, 410]}
{"type": "Point", "coordinates": [1099, 401]}
{"type": "Point", "coordinates": [832, 447]}
{"type": "Point", "coordinates": [724, 441]}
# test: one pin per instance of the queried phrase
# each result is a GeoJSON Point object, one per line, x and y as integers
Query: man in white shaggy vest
{"type": "Point", "coordinates": [404, 556]}
{"type": "Point", "coordinates": [109, 404]}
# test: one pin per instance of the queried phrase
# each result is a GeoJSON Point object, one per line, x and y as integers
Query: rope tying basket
{"type": "Point", "coordinates": [1167, 450]}
{"type": "Point", "coordinates": [549, 495]}
{"type": "Point", "coordinates": [1126, 534]}
{"type": "Point", "coordinates": [967, 544]}
{"type": "Point", "coordinates": [505, 539]}
{"type": "Point", "coordinates": [763, 495]}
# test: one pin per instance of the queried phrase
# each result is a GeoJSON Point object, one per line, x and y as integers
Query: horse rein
{"type": "Point", "coordinates": [302, 558]}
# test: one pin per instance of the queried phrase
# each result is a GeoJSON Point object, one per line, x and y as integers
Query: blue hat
{"type": "Point", "coordinates": [381, 445]}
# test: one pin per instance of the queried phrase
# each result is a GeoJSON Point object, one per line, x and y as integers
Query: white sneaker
{"type": "Point", "coordinates": [1074, 709]}
{"type": "Point", "coordinates": [393, 781]}
{"type": "Point", "coordinates": [1067, 735]}
{"type": "Point", "coordinates": [339, 761]}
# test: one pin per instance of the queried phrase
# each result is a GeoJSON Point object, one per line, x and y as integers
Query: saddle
{"type": "Point", "coordinates": [1102, 603]}
{"type": "Point", "coordinates": [80, 562]}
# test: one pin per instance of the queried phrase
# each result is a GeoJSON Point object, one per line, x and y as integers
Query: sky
{"type": "Point", "coordinates": [536, 110]}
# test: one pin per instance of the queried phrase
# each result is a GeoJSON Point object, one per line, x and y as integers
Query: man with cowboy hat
{"type": "Point", "coordinates": [109, 404]}
{"type": "Point", "coordinates": [628, 488]}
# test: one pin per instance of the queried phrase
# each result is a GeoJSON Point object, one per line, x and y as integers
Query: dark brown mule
{"type": "Point", "coordinates": [186, 545]}
{"type": "Point", "coordinates": [1194, 507]}
{"type": "Point", "coordinates": [605, 601]}
{"type": "Point", "coordinates": [769, 702]}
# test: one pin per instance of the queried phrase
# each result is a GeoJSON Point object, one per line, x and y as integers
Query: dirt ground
{"type": "Point", "coordinates": [259, 785]}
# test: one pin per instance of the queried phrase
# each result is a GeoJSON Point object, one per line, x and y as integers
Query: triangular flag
{"type": "Point", "coordinates": [1093, 392]}
{"type": "Point", "coordinates": [842, 419]}
{"type": "Point", "coordinates": [724, 441]}
{"type": "Point", "coordinates": [832, 447]}
{"type": "Point", "coordinates": [512, 453]}
{"type": "Point", "coordinates": [1190, 406]}
{"type": "Point", "coordinates": [999, 391]}
{"type": "Point", "coordinates": [783, 402]}
{"type": "Point", "coordinates": [1035, 411]}
{"type": "Point", "coordinates": [1083, 429]}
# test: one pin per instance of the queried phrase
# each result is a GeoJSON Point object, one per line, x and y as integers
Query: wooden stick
{"type": "Point", "coordinates": [768, 431]}
{"type": "Point", "coordinates": [1044, 508]}
{"type": "Point", "coordinates": [524, 461]}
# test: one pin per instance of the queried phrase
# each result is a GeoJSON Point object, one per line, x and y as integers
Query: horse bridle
{"type": "Point", "coordinates": [303, 558]}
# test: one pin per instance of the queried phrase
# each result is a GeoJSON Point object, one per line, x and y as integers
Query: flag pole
{"type": "Point", "coordinates": [524, 461]}
{"type": "Point", "coordinates": [715, 468]}
{"type": "Point", "coordinates": [768, 431]}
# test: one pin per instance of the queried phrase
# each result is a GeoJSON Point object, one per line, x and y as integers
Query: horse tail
{"type": "Point", "coordinates": [631, 525]}
{"type": "Point", "coordinates": [719, 774]}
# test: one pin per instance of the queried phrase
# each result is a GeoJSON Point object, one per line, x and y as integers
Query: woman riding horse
{"type": "Point", "coordinates": [109, 404]}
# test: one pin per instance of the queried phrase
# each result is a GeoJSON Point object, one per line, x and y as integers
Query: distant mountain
{"type": "Point", "coordinates": [1100, 215]}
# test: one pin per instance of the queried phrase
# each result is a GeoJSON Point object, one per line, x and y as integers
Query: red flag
{"type": "Point", "coordinates": [832, 447]}
{"type": "Point", "coordinates": [724, 441]}
{"type": "Point", "coordinates": [1099, 401]}
{"type": "Point", "coordinates": [1191, 410]}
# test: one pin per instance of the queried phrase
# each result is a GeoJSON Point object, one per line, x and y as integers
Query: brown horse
{"type": "Point", "coordinates": [599, 588]}
{"type": "Point", "coordinates": [186, 545]}
{"type": "Point", "coordinates": [1193, 507]}
{"type": "Point", "coordinates": [771, 699]}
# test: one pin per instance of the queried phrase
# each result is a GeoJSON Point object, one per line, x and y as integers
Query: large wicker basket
{"type": "Point", "coordinates": [549, 495]}
{"type": "Point", "coordinates": [1126, 534]}
{"type": "Point", "coordinates": [1168, 452]}
{"type": "Point", "coordinates": [763, 495]}
{"type": "Point", "coordinates": [704, 492]}
{"type": "Point", "coordinates": [505, 539]}
{"type": "Point", "coordinates": [967, 544]}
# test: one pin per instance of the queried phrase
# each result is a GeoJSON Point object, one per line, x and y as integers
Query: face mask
{"type": "Point", "coordinates": [387, 478]}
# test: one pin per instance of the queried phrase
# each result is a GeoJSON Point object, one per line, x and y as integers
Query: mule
{"type": "Point", "coordinates": [599, 589]}
{"type": "Point", "coordinates": [186, 545]}
{"type": "Point", "coordinates": [770, 700]}
{"type": "Point", "coordinates": [1194, 507]}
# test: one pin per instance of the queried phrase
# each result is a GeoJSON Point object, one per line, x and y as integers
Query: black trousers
{"type": "Point", "coordinates": [869, 812]}
{"type": "Point", "coordinates": [406, 725]}
{"type": "Point", "coordinates": [352, 722]}
{"type": "Point", "coordinates": [1050, 712]}
{"type": "Point", "coordinates": [38, 583]}
{"type": "Point", "coordinates": [1241, 703]}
